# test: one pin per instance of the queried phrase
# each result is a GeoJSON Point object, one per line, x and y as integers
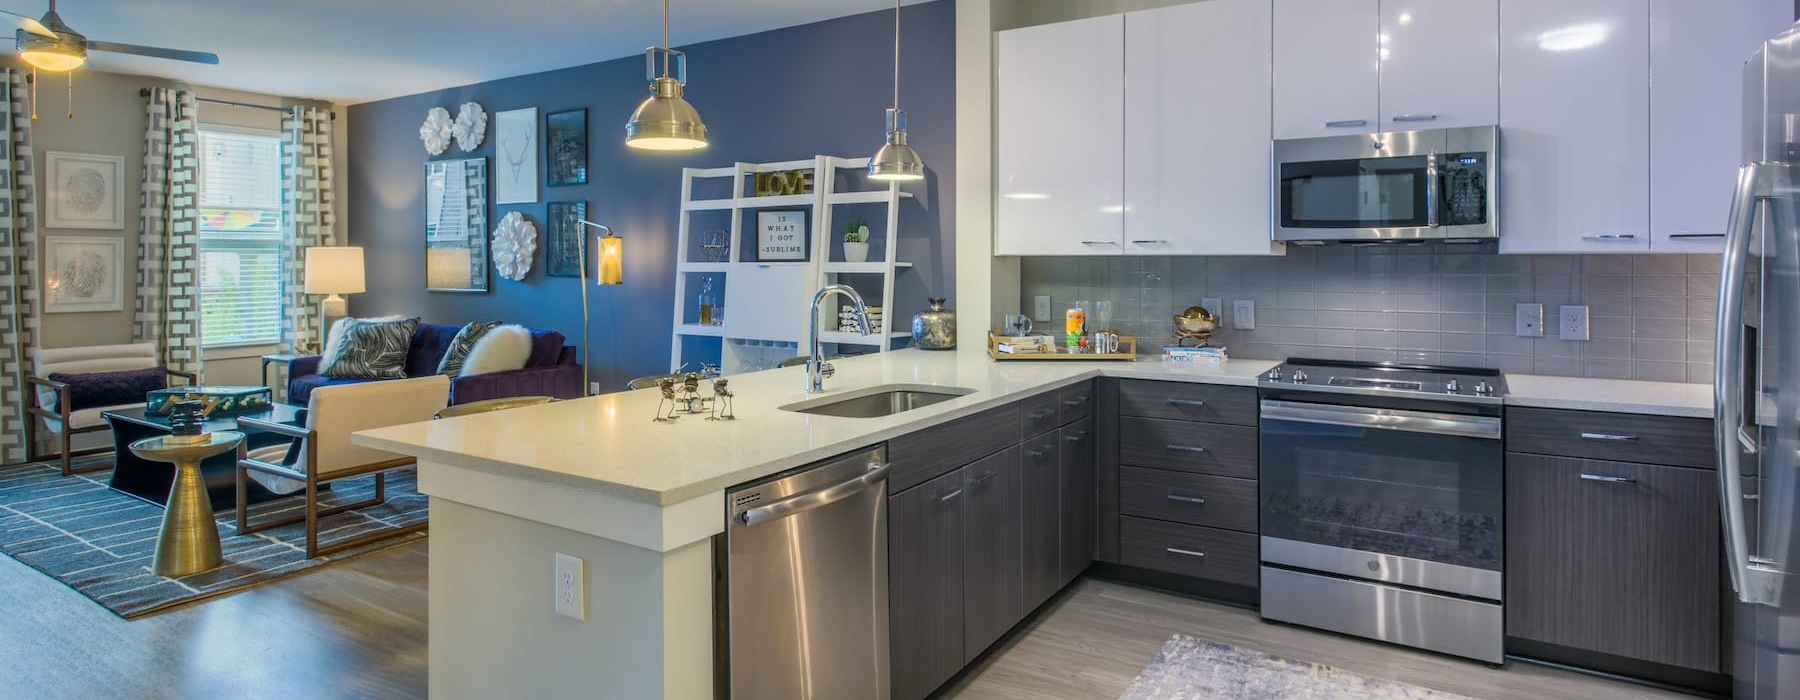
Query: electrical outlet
{"type": "Point", "coordinates": [571, 596]}
{"type": "Point", "coordinates": [1214, 306]}
{"type": "Point", "coordinates": [593, 388]}
{"type": "Point", "coordinates": [1574, 322]}
{"type": "Point", "coordinates": [1528, 320]}
{"type": "Point", "coordinates": [1040, 308]}
{"type": "Point", "coordinates": [1243, 314]}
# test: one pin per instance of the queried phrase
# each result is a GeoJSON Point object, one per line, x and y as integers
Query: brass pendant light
{"type": "Point", "coordinates": [896, 161]}
{"type": "Point", "coordinates": [665, 121]}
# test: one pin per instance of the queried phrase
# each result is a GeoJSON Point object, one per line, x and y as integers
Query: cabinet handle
{"type": "Point", "coordinates": [1608, 437]}
{"type": "Point", "coordinates": [1346, 123]}
{"type": "Point", "coordinates": [1607, 479]}
{"type": "Point", "coordinates": [1185, 552]}
{"type": "Point", "coordinates": [950, 496]}
{"type": "Point", "coordinates": [1099, 242]}
{"type": "Point", "coordinates": [1077, 437]}
{"type": "Point", "coordinates": [1185, 402]}
{"type": "Point", "coordinates": [1415, 117]}
{"type": "Point", "coordinates": [1611, 237]}
{"type": "Point", "coordinates": [1150, 241]}
{"type": "Point", "coordinates": [1036, 454]}
{"type": "Point", "coordinates": [1077, 401]}
{"type": "Point", "coordinates": [1040, 415]}
{"type": "Point", "coordinates": [1696, 235]}
{"type": "Point", "coordinates": [1172, 447]}
{"type": "Point", "coordinates": [1187, 499]}
{"type": "Point", "coordinates": [984, 478]}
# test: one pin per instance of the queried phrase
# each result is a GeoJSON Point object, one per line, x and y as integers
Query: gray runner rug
{"type": "Point", "coordinates": [100, 542]}
{"type": "Point", "coordinates": [1189, 668]}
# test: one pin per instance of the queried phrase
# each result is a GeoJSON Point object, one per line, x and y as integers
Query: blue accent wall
{"type": "Point", "coordinates": [780, 95]}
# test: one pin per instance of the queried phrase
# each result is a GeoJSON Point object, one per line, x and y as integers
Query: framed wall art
{"type": "Point", "coordinates": [567, 145]}
{"type": "Point", "coordinates": [456, 230]}
{"type": "Point", "coordinates": [83, 274]}
{"type": "Point", "coordinates": [780, 235]}
{"type": "Point", "coordinates": [85, 190]}
{"type": "Point", "coordinates": [564, 242]}
{"type": "Point", "coordinates": [515, 156]}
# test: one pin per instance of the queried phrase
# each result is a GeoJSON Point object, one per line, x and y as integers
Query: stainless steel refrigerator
{"type": "Point", "coordinates": [1756, 384]}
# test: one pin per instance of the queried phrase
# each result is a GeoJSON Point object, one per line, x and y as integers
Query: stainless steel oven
{"type": "Point", "coordinates": [1382, 500]}
{"type": "Point", "coordinates": [1437, 184]}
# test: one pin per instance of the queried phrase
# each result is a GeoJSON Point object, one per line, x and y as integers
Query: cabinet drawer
{"type": "Point", "coordinates": [1620, 437]}
{"type": "Point", "coordinates": [1223, 450]}
{"type": "Point", "coordinates": [1198, 402]}
{"type": "Point", "coordinates": [1195, 499]}
{"type": "Point", "coordinates": [923, 455]}
{"type": "Point", "coordinates": [1039, 413]}
{"type": "Point", "coordinates": [1189, 550]}
{"type": "Point", "coordinates": [1077, 402]}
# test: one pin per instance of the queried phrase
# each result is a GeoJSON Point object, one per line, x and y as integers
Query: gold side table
{"type": "Point", "coordinates": [189, 540]}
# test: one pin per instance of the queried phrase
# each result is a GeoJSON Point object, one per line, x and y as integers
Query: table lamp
{"type": "Point", "coordinates": [333, 270]}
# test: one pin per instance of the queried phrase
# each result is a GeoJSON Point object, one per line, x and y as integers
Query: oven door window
{"type": "Point", "coordinates": [1367, 193]}
{"type": "Point", "coordinates": [1419, 495]}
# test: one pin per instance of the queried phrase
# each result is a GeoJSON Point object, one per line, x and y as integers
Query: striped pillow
{"type": "Point", "coordinates": [460, 346]}
{"type": "Point", "coordinates": [372, 350]}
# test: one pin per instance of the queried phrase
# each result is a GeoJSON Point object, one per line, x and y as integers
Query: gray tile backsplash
{"type": "Point", "coordinates": [1651, 316]}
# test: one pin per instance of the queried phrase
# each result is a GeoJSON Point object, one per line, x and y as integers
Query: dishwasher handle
{"type": "Point", "coordinates": [815, 499]}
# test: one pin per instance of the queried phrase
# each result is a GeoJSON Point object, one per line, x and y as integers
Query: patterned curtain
{"type": "Point", "coordinates": [309, 218]}
{"type": "Point", "coordinates": [18, 266]}
{"type": "Point", "coordinates": [168, 278]}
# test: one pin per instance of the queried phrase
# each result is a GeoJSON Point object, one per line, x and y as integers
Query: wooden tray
{"type": "Point", "coordinates": [1127, 351]}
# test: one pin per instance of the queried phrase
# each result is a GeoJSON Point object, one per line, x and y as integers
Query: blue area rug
{"type": "Point", "coordinates": [100, 542]}
{"type": "Point", "coordinates": [1193, 669]}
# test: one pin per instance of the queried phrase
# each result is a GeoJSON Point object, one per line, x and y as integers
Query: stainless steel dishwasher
{"type": "Point", "coordinates": [806, 582]}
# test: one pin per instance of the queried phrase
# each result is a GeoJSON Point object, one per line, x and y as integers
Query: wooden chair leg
{"type": "Point", "coordinates": [243, 505]}
{"type": "Point", "coordinates": [312, 515]}
{"type": "Point", "coordinates": [380, 487]}
{"type": "Point", "coordinates": [67, 469]}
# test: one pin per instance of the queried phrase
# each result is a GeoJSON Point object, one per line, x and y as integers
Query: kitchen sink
{"type": "Point", "coordinates": [878, 401]}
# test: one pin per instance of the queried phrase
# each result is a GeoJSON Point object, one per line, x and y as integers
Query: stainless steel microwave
{"type": "Point", "coordinates": [1438, 184]}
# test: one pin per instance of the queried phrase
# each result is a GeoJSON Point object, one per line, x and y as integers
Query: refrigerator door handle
{"type": "Point", "coordinates": [1728, 384]}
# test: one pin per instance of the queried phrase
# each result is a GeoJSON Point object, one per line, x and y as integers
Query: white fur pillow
{"type": "Point", "coordinates": [502, 349]}
{"type": "Point", "coordinates": [334, 338]}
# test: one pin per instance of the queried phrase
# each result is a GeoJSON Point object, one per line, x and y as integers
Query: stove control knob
{"type": "Point", "coordinates": [1300, 376]}
{"type": "Point", "coordinates": [1453, 386]}
{"type": "Point", "coordinates": [1483, 388]}
{"type": "Point", "coordinates": [1275, 374]}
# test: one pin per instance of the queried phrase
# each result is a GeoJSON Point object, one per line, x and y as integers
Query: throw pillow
{"type": "Point", "coordinates": [334, 336]}
{"type": "Point", "coordinates": [460, 346]}
{"type": "Point", "coordinates": [98, 389]}
{"type": "Point", "coordinates": [502, 349]}
{"type": "Point", "coordinates": [372, 350]}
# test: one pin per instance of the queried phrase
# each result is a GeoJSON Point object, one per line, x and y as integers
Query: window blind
{"type": "Point", "coordinates": [240, 238]}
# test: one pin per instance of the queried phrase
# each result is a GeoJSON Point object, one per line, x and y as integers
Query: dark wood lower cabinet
{"type": "Point", "coordinates": [1614, 557]}
{"type": "Point", "coordinates": [1077, 480]}
{"type": "Point", "coordinates": [1040, 471]}
{"type": "Point", "coordinates": [926, 526]}
{"type": "Point", "coordinates": [993, 562]}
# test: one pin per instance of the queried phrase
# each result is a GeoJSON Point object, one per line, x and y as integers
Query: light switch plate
{"type": "Point", "coordinates": [1214, 306]}
{"type": "Point", "coordinates": [1040, 308]}
{"type": "Point", "coordinates": [1574, 322]}
{"type": "Point", "coordinates": [1243, 314]}
{"type": "Point", "coordinates": [1528, 320]}
{"type": "Point", "coordinates": [571, 593]}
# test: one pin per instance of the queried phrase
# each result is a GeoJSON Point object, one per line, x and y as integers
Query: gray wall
{"type": "Point", "coordinates": [1652, 315]}
{"type": "Point", "coordinates": [781, 95]}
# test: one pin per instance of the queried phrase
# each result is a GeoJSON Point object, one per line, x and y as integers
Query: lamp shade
{"type": "Point", "coordinates": [612, 259]}
{"type": "Point", "coordinates": [334, 270]}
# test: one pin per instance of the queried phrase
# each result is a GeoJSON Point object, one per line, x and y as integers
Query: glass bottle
{"type": "Point", "coordinates": [707, 302]}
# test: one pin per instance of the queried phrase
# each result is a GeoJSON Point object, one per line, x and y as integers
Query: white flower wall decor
{"type": "Point", "coordinates": [514, 246]}
{"type": "Point", "coordinates": [471, 126]}
{"type": "Point", "coordinates": [435, 132]}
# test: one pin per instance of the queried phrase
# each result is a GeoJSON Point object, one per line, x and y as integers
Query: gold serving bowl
{"type": "Point", "coordinates": [1195, 320]}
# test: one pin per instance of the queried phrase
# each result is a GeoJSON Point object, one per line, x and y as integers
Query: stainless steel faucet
{"type": "Point", "coordinates": [817, 369]}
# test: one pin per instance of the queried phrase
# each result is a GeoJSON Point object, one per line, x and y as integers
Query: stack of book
{"type": "Point", "coordinates": [847, 319]}
{"type": "Point", "coordinates": [1194, 356]}
{"type": "Point", "coordinates": [1025, 345]}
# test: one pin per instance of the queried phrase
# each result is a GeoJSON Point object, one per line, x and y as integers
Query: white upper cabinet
{"type": "Point", "coordinates": [1058, 132]}
{"type": "Point", "coordinates": [1197, 83]}
{"type": "Point", "coordinates": [1697, 54]}
{"type": "Point", "coordinates": [1327, 68]}
{"type": "Point", "coordinates": [1575, 126]}
{"type": "Point", "coordinates": [1440, 63]}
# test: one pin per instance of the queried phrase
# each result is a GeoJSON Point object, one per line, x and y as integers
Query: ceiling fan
{"type": "Point", "coordinates": [49, 44]}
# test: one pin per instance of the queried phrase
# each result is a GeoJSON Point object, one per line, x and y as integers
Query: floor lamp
{"type": "Point", "coordinates": [611, 272]}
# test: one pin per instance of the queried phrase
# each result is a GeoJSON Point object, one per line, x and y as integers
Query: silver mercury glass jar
{"type": "Point", "coordinates": [934, 328]}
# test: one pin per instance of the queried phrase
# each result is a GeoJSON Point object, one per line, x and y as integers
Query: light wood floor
{"type": "Point", "coordinates": [357, 630]}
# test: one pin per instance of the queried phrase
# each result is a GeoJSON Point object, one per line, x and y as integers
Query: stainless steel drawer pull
{"type": "Point", "coordinates": [950, 496]}
{"type": "Point", "coordinates": [1346, 123]}
{"type": "Point", "coordinates": [1036, 454]}
{"type": "Point", "coordinates": [1607, 479]}
{"type": "Point", "coordinates": [1149, 241]}
{"type": "Point", "coordinates": [1099, 242]}
{"type": "Point", "coordinates": [1184, 552]}
{"type": "Point", "coordinates": [1611, 237]}
{"type": "Point", "coordinates": [1077, 437]}
{"type": "Point", "coordinates": [1186, 402]}
{"type": "Point", "coordinates": [1608, 437]}
{"type": "Point", "coordinates": [1414, 117]}
{"type": "Point", "coordinates": [1040, 415]}
{"type": "Point", "coordinates": [984, 478]}
{"type": "Point", "coordinates": [1187, 499]}
{"type": "Point", "coordinates": [1696, 235]}
{"type": "Point", "coordinates": [1077, 401]}
{"type": "Point", "coordinates": [1172, 447]}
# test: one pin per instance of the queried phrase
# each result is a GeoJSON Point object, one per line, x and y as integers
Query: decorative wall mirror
{"type": "Point", "coordinates": [456, 229]}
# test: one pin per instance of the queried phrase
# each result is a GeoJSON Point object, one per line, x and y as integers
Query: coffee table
{"type": "Point", "coordinates": [150, 480]}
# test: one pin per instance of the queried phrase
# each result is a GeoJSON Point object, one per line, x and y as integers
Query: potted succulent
{"type": "Point", "coordinates": [856, 240]}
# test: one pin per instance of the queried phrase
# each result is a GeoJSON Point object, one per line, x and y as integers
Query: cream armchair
{"type": "Point", "coordinates": [83, 431]}
{"type": "Point", "coordinates": [321, 451]}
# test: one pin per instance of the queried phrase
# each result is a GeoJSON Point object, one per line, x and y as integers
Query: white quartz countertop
{"type": "Point", "coordinates": [1612, 395]}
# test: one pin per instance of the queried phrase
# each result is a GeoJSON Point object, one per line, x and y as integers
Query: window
{"type": "Point", "coordinates": [240, 238]}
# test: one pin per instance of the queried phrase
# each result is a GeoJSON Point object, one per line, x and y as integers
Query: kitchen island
{"type": "Point", "coordinates": [640, 502]}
